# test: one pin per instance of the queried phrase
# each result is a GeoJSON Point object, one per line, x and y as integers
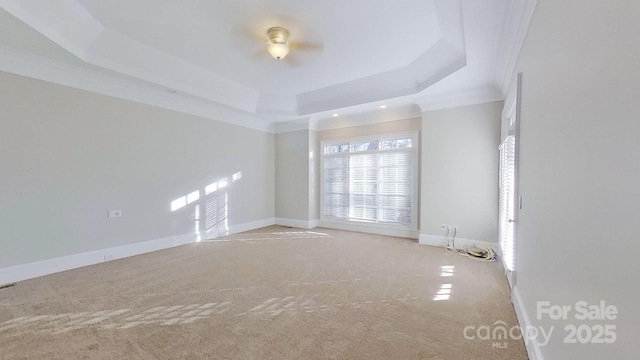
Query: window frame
{"type": "Point", "coordinates": [415, 158]}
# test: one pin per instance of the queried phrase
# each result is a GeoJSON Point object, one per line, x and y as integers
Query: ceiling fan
{"type": "Point", "coordinates": [282, 44]}
{"type": "Point", "coordinates": [278, 45]}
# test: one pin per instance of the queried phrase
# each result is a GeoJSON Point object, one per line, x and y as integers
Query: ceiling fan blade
{"type": "Point", "coordinates": [248, 33]}
{"type": "Point", "coordinates": [291, 61]}
{"type": "Point", "coordinates": [301, 46]}
{"type": "Point", "coordinates": [249, 41]}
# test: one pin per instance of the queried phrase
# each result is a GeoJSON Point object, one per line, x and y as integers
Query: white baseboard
{"type": "Point", "coordinates": [368, 229]}
{"type": "Point", "coordinates": [32, 270]}
{"type": "Point", "coordinates": [303, 224]}
{"type": "Point", "coordinates": [440, 241]}
{"type": "Point", "coordinates": [50, 266]}
{"type": "Point", "coordinates": [234, 229]}
{"type": "Point", "coordinates": [533, 348]}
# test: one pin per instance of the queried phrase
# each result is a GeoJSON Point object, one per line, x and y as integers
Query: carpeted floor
{"type": "Point", "coordinates": [273, 293]}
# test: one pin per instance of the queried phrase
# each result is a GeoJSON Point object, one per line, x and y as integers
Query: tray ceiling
{"type": "Point", "coordinates": [351, 54]}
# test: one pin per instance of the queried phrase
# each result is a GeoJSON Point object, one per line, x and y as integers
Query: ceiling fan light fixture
{"type": "Point", "coordinates": [278, 50]}
{"type": "Point", "coordinates": [278, 46]}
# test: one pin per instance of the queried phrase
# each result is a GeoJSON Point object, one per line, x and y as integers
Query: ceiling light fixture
{"type": "Point", "coordinates": [383, 106]}
{"type": "Point", "coordinates": [334, 115]}
{"type": "Point", "coordinates": [278, 46]}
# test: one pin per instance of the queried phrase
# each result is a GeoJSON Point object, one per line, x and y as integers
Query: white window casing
{"type": "Point", "coordinates": [371, 181]}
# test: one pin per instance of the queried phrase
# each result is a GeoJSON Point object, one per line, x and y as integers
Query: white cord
{"type": "Point", "coordinates": [476, 252]}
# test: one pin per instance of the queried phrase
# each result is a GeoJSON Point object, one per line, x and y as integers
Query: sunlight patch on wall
{"type": "Point", "coordinates": [223, 183]}
{"type": "Point", "coordinates": [179, 203]}
{"type": "Point", "coordinates": [217, 215]}
{"type": "Point", "coordinates": [196, 215]}
{"type": "Point", "coordinates": [211, 209]}
{"type": "Point", "coordinates": [193, 196]}
{"type": "Point", "coordinates": [211, 188]}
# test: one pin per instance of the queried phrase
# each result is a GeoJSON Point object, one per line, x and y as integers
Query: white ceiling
{"type": "Point", "coordinates": [346, 57]}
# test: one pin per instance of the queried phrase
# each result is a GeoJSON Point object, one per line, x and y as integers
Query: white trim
{"type": "Point", "coordinates": [83, 78]}
{"type": "Point", "coordinates": [292, 125]}
{"type": "Point", "coordinates": [366, 118]}
{"type": "Point", "coordinates": [414, 135]}
{"type": "Point", "coordinates": [302, 224]}
{"type": "Point", "coordinates": [517, 18]}
{"type": "Point", "coordinates": [369, 229]}
{"type": "Point", "coordinates": [533, 348]}
{"type": "Point", "coordinates": [81, 29]}
{"type": "Point", "coordinates": [234, 229]}
{"type": "Point", "coordinates": [323, 122]}
{"type": "Point", "coordinates": [50, 266]}
{"type": "Point", "coordinates": [460, 98]}
{"type": "Point", "coordinates": [508, 274]}
{"type": "Point", "coordinates": [440, 241]}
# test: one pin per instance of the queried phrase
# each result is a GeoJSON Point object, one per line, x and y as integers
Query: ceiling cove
{"type": "Point", "coordinates": [212, 56]}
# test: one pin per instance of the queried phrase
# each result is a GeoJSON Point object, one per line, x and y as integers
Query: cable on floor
{"type": "Point", "coordinates": [474, 251]}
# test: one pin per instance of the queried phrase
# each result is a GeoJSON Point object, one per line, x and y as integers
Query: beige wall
{"type": "Point", "coordinates": [68, 156]}
{"type": "Point", "coordinates": [292, 175]}
{"type": "Point", "coordinates": [459, 167]}
{"type": "Point", "coordinates": [579, 168]}
{"type": "Point", "coordinates": [460, 171]}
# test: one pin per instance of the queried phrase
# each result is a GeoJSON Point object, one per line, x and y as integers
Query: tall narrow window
{"type": "Point", "coordinates": [371, 180]}
{"type": "Point", "coordinates": [507, 201]}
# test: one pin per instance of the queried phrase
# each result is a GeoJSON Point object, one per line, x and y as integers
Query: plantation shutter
{"type": "Point", "coordinates": [396, 187]}
{"type": "Point", "coordinates": [336, 187]}
{"type": "Point", "coordinates": [507, 201]}
{"type": "Point", "coordinates": [363, 187]}
{"type": "Point", "coordinates": [371, 180]}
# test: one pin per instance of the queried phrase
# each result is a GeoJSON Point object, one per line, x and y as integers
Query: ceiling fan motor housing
{"type": "Point", "coordinates": [278, 47]}
{"type": "Point", "coordinates": [278, 35]}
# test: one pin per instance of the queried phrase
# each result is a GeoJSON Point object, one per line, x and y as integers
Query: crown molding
{"type": "Point", "coordinates": [413, 110]}
{"type": "Point", "coordinates": [83, 78]}
{"type": "Point", "coordinates": [517, 18]}
{"type": "Point", "coordinates": [460, 98]}
{"type": "Point", "coordinates": [403, 112]}
{"type": "Point", "coordinates": [294, 125]}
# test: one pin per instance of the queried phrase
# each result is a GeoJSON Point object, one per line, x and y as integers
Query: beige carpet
{"type": "Point", "coordinates": [273, 293]}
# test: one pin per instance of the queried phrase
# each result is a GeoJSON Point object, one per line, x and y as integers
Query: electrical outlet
{"type": "Point", "coordinates": [108, 257]}
{"type": "Point", "coordinates": [114, 214]}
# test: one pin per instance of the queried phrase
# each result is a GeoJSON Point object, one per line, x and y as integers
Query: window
{"type": "Point", "coordinates": [507, 201]}
{"type": "Point", "coordinates": [371, 180]}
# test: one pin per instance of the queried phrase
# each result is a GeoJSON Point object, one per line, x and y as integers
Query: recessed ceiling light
{"type": "Point", "coordinates": [383, 106]}
{"type": "Point", "coordinates": [334, 115]}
